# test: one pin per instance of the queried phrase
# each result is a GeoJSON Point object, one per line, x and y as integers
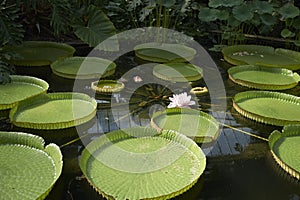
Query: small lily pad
{"type": "Point", "coordinates": [28, 168]}
{"type": "Point", "coordinates": [107, 86]}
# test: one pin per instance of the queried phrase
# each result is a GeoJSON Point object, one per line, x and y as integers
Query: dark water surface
{"type": "Point", "coordinates": [238, 167]}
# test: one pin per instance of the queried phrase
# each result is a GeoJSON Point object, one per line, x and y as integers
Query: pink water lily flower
{"type": "Point", "coordinates": [181, 101]}
{"type": "Point", "coordinates": [137, 79]}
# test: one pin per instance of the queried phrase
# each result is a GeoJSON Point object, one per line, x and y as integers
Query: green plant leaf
{"type": "Point", "coordinates": [242, 12]}
{"type": "Point", "coordinates": [11, 29]}
{"type": "Point", "coordinates": [225, 3]}
{"type": "Point", "coordinates": [289, 11]}
{"type": "Point", "coordinates": [256, 21]}
{"type": "Point", "coordinates": [208, 14]}
{"type": "Point", "coordinates": [268, 19]}
{"type": "Point", "coordinates": [222, 14]}
{"type": "Point", "coordinates": [262, 7]}
{"type": "Point", "coordinates": [274, 108]}
{"type": "Point", "coordinates": [60, 20]}
{"type": "Point", "coordinates": [297, 43]}
{"type": "Point", "coordinates": [296, 23]}
{"type": "Point", "coordinates": [286, 33]}
{"type": "Point", "coordinates": [215, 3]}
{"type": "Point", "coordinates": [94, 28]}
{"type": "Point", "coordinates": [166, 3]}
{"type": "Point", "coordinates": [233, 22]}
{"type": "Point", "coordinates": [285, 149]}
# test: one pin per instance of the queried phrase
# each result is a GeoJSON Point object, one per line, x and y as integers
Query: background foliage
{"type": "Point", "coordinates": [224, 22]}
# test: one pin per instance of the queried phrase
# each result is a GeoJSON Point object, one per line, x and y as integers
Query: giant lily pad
{"type": "Point", "coordinates": [178, 72]}
{"type": "Point", "coordinates": [39, 53]}
{"type": "Point", "coordinates": [19, 89]}
{"type": "Point", "coordinates": [28, 169]}
{"type": "Point", "coordinates": [265, 78]}
{"type": "Point", "coordinates": [201, 127]}
{"type": "Point", "coordinates": [268, 107]}
{"type": "Point", "coordinates": [139, 163]}
{"type": "Point", "coordinates": [54, 111]}
{"type": "Point", "coordinates": [83, 67]}
{"type": "Point", "coordinates": [285, 149]}
{"type": "Point", "coordinates": [164, 52]}
{"type": "Point", "coordinates": [262, 55]}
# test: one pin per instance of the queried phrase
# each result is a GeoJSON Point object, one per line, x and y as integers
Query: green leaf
{"type": "Point", "coordinates": [287, 33]}
{"type": "Point", "coordinates": [222, 15]}
{"type": "Point", "coordinates": [208, 14]}
{"type": "Point", "coordinates": [256, 21]}
{"type": "Point", "coordinates": [215, 3]}
{"type": "Point", "coordinates": [262, 7]}
{"type": "Point", "coordinates": [242, 12]}
{"type": "Point", "coordinates": [289, 11]}
{"type": "Point", "coordinates": [225, 3]}
{"type": "Point", "coordinates": [296, 23]}
{"type": "Point", "coordinates": [11, 29]}
{"type": "Point", "coordinates": [166, 3]}
{"type": "Point", "coordinates": [268, 19]}
{"type": "Point", "coordinates": [60, 19]}
{"type": "Point", "coordinates": [95, 27]}
{"type": "Point", "coordinates": [297, 43]}
{"type": "Point", "coordinates": [233, 22]}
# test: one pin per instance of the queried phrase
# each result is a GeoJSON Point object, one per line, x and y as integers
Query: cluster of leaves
{"type": "Point", "coordinates": [176, 14]}
{"type": "Point", "coordinates": [84, 18]}
{"type": "Point", "coordinates": [11, 33]}
{"type": "Point", "coordinates": [235, 18]}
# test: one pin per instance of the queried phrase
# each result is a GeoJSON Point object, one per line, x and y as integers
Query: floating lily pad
{"type": "Point", "coordinates": [139, 163]}
{"type": "Point", "coordinates": [178, 72]}
{"type": "Point", "coordinates": [262, 55]}
{"type": "Point", "coordinates": [107, 86]}
{"type": "Point", "coordinates": [39, 53]}
{"type": "Point", "coordinates": [285, 149]}
{"type": "Point", "coordinates": [19, 89]}
{"type": "Point", "coordinates": [83, 67]}
{"type": "Point", "coordinates": [264, 78]}
{"type": "Point", "coordinates": [54, 111]}
{"type": "Point", "coordinates": [268, 107]}
{"type": "Point", "coordinates": [199, 126]}
{"type": "Point", "coordinates": [164, 52]}
{"type": "Point", "coordinates": [28, 168]}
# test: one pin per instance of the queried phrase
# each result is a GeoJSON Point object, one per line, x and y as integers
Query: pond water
{"type": "Point", "coordinates": [239, 166]}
